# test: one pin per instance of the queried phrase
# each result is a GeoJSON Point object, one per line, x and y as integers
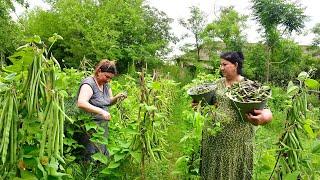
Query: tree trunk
{"type": "Point", "coordinates": [198, 48]}
{"type": "Point", "coordinates": [268, 64]}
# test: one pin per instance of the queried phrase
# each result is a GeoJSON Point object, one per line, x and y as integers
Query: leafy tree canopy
{"type": "Point", "coordinates": [9, 30]}
{"type": "Point", "coordinates": [228, 28]}
{"type": "Point", "coordinates": [275, 14]}
{"type": "Point", "coordinates": [123, 30]}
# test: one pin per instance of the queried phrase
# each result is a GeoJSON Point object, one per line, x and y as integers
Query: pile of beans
{"type": "Point", "coordinates": [249, 91]}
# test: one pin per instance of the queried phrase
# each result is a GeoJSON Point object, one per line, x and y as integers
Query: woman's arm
{"type": "Point", "coordinates": [261, 117]}
{"type": "Point", "coordinates": [116, 98]}
{"type": "Point", "coordinates": [85, 94]}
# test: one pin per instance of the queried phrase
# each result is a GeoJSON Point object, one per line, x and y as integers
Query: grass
{"type": "Point", "coordinates": [176, 130]}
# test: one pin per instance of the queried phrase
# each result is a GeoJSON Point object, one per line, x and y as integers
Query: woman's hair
{"type": "Point", "coordinates": [235, 58]}
{"type": "Point", "coordinates": [106, 65]}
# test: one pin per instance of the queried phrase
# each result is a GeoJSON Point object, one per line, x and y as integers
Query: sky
{"type": "Point", "coordinates": [177, 9]}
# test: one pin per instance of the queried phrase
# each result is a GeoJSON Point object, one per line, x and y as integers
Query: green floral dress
{"type": "Point", "coordinates": [228, 154]}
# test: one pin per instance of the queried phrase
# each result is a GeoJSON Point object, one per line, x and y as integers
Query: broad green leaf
{"type": "Point", "coordinates": [136, 156]}
{"type": "Point", "coordinates": [124, 145]}
{"type": "Point", "coordinates": [40, 167]}
{"type": "Point", "coordinates": [113, 150]}
{"type": "Point", "coordinates": [292, 176]}
{"type": "Point", "coordinates": [308, 129]}
{"type": "Point", "coordinates": [268, 161]}
{"type": "Point", "coordinates": [113, 165]}
{"type": "Point", "coordinates": [69, 141]}
{"type": "Point", "coordinates": [106, 171]}
{"type": "Point", "coordinates": [53, 172]}
{"type": "Point", "coordinates": [10, 77]}
{"type": "Point", "coordinates": [34, 38]}
{"type": "Point", "coordinates": [90, 125]}
{"type": "Point", "coordinates": [55, 37]}
{"type": "Point", "coordinates": [59, 37]}
{"type": "Point", "coordinates": [37, 39]}
{"type": "Point", "coordinates": [312, 84]}
{"type": "Point", "coordinates": [13, 68]}
{"type": "Point", "coordinates": [3, 87]}
{"type": "Point", "coordinates": [100, 157]}
{"type": "Point", "coordinates": [51, 39]}
{"type": "Point", "coordinates": [303, 76]}
{"type": "Point", "coordinates": [27, 175]}
{"type": "Point", "coordinates": [30, 161]}
{"type": "Point", "coordinates": [156, 85]}
{"type": "Point", "coordinates": [23, 46]}
{"type": "Point", "coordinates": [316, 148]}
{"type": "Point", "coordinates": [292, 89]}
{"type": "Point", "coordinates": [182, 159]}
{"type": "Point", "coordinates": [118, 157]}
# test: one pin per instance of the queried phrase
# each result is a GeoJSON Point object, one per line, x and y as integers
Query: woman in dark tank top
{"type": "Point", "coordinates": [94, 96]}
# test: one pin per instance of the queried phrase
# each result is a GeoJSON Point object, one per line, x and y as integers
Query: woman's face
{"type": "Point", "coordinates": [105, 76]}
{"type": "Point", "coordinates": [227, 68]}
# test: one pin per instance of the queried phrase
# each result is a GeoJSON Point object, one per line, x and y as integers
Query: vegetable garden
{"type": "Point", "coordinates": [156, 132]}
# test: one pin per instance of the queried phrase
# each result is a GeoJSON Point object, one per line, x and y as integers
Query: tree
{"type": "Point", "coordinates": [195, 24]}
{"type": "Point", "coordinates": [315, 48]}
{"type": "Point", "coordinates": [277, 17]}
{"type": "Point", "coordinates": [255, 57]}
{"type": "Point", "coordinates": [9, 30]}
{"type": "Point", "coordinates": [316, 31]}
{"type": "Point", "coordinates": [228, 28]}
{"type": "Point", "coordinates": [123, 30]}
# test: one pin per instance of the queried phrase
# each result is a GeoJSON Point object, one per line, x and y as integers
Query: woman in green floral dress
{"type": "Point", "coordinates": [229, 153]}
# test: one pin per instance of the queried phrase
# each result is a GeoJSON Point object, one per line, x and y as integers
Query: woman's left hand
{"type": "Point", "coordinates": [261, 117]}
{"type": "Point", "coordinates": [121, 96]}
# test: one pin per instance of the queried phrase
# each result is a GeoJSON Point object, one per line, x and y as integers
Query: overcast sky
{"type": "Point", "coordinates": [177, 9]}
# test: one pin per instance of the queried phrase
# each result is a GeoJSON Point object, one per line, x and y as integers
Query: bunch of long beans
{"type": "Point", "coordinates": [53, 127]}
{"type": "Point", "coordinates": [8, 127]}
{"type": "Point", "coordinates": [289, 158]}
{"type": "Point", "coordinates": [148, 140]}
{"type": "Point", "coordinates": [34, 87]}
{"type": "Point", "coordinates": [41, 95]}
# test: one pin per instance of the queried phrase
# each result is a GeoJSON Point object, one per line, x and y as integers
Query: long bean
{"type": "Point", "coordinates": [7, 130]}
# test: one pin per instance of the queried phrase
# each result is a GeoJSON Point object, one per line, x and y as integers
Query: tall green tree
{"type": "Point", "coordinates": [228, 28]}
{"type": "Point", "coordinates": [196, 24]}
{"type": "Point", "coordinates": [123, 30]}
{"type": "Point", "coordinates": [9, 30]}
{"type": "Point", "coordinates": [276, 18]}
{"type": "Point", "coordinates": [316, 32]}
{"type": "Point", "coordinates": [315, 49]}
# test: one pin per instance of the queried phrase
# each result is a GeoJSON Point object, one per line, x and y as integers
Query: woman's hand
{"type": "Point", "coordinates": [121, 96]}
{"type": "Point", "coordinates": [106, 115]}
{"type": "Point", "coordinates": [261, 117]}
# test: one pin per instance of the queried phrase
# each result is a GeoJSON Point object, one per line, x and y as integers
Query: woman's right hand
{"type": "Point", "coordinates": [106, 115]}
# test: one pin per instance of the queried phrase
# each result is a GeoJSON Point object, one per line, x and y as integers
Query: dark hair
{"type": "Point", "coordinates": [106, 66]}
{"type": "Point", "coordinates": [235, 58]}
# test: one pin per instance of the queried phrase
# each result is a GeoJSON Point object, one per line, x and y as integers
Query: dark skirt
{"type": "Point", "coordinates": [93, 147]}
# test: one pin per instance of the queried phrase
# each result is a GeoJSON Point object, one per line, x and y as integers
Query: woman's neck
{"type": "Point", "coordinates": [231, 80]}
{"type": "Point", "coordinates": [99, 83]}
